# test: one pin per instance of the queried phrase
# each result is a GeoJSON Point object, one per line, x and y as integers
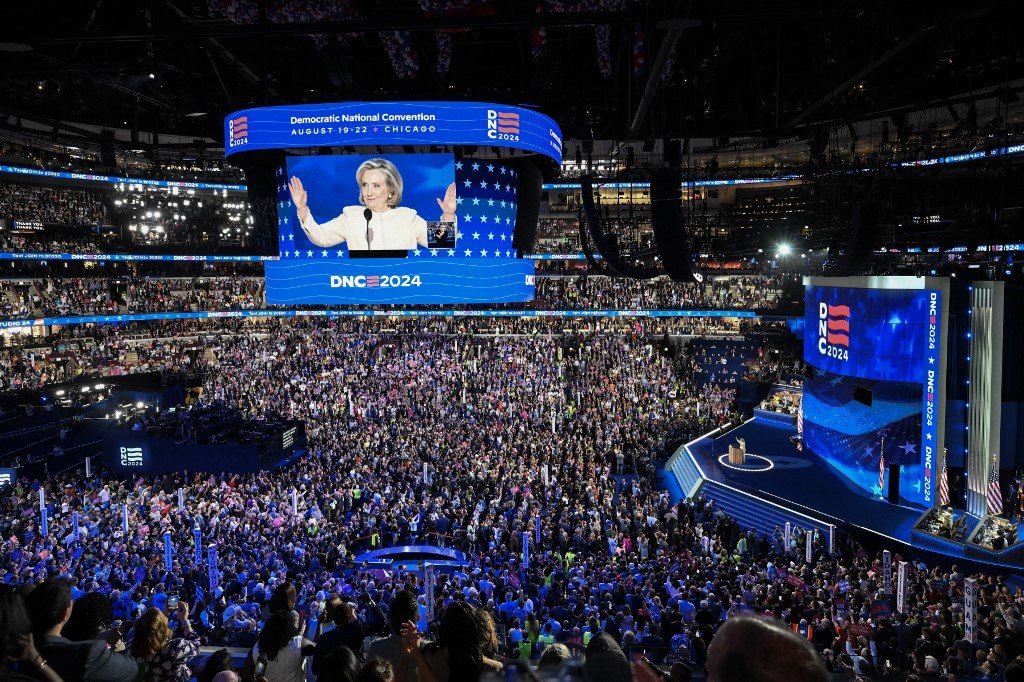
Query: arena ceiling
{"type": "Point", "coordinates": [606, 69]}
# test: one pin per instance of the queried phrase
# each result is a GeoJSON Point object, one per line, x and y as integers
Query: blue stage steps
{"type": "Point", "coordinates": [752, 512]}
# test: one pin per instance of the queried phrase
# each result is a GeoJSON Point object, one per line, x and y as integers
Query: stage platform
{"type": "Point", "coordinates": [781, 474]}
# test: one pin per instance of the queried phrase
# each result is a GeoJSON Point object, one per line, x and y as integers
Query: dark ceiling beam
{"type": "Point", "coordinates": [38, 34]}
{"type": "Point", "coordinates": [674, 28]}
{"type": "Point", "coordinates": [393, 23]}
{"type": "Point", "coordinates": [57, 125]}
{"type": "Point", "coordinates": [224, 52]}
{"type": "Point", "coordinates": [860, 75]}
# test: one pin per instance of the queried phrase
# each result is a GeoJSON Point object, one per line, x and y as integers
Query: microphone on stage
{"type": "Point", "coordinates": [368, 214]}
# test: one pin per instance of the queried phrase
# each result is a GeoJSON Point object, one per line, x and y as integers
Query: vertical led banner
{"type": "Point", "coordinates": [930, 395]}
{"type": "Point", "coordinates": [789, 537]}
{"type": "Point", "coordinates": [809, 551]}
{"type": "Point", "coordinates": [526, 549]}
{"type": "Point", "coordinates": [74, 525]}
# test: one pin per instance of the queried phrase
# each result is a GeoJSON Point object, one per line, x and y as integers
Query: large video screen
{"type": "Point", "coordinates": [877, 353]}
{"type": "Point", "coordinates": [403, 228]}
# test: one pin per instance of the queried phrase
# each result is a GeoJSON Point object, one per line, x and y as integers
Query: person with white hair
{"type": "Point", "coordinates": [379, 222]}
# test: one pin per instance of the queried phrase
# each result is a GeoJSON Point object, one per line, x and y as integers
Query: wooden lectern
{"type": "Point", "coordinates": [738, 454]}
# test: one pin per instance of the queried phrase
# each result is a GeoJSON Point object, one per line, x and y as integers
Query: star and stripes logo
{"type": "Point", "coordinates": [238, 128]}
{"type": "Point", "coordinates": [834, 330]}
{"type": "Point", "coordinates": [837, 325]}
{"type": "Point", "coordinates": [131, 457]}
{"type": "Point", "coordinates": [508, 122]}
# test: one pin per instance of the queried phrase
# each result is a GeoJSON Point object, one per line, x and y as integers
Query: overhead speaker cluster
{"type": "Point", "coordinates": [667, 223]}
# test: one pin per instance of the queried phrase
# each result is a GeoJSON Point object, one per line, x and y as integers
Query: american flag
{"type": "Point", "coordinates": [944, 485]}
{"type": "Point", "coordinates": [995, 494]}
{"type": "Point", "coordinates": [800, 428]}
{"type": "Point", "coordinates": [881, 469]}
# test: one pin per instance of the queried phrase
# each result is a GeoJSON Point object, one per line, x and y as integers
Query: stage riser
{"type": "Point", "coordinates": [754, 513]}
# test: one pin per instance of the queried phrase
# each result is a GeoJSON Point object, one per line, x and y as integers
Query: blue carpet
{"type": "Point", "coordinates": [667, 481]}
{"type": "Point", "coordinates": [802, 479]}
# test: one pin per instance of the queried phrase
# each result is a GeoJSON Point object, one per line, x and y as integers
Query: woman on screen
{"type": "Point", "coordinates": [379, 223]}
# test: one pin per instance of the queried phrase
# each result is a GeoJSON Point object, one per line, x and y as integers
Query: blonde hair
{"type": "Point", "coordinates": [391, 175]}
{"type": "Point", "coordinates": [151, 633]}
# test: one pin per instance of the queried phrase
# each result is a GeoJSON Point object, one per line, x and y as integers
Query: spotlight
{"type": "Point", "coordinates": [785, 249]}
{"type": "Point", "coordinates": [100, 387]}
{"type": "Point", "coordinates": [85, 389]}
{"type": "Point", "coordinates": [139, 404]}
{"type": "Point", "coordinates": [60, 392]}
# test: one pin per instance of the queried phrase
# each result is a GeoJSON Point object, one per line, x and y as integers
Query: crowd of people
{"type": "Point", "coordinates": [540, 455]}
{"type": "Point", "coordinates": [172, 295]}
{"type": "Point", "coordinates": [728, 293]}
{"type": "Point", "coordinates": [57, 205]}
{"type": "Point", "coordinates": [98, 295]}
{"type": "Point", "coordinates": [47, 243]}
{"type": "Point", "coordinates": [98, 351]}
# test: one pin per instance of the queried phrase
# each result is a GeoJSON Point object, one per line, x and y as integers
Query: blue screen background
{"type": "Point", "coordinates": [482, 267]}
{"type": "Point", "coordinates": [894, 347]}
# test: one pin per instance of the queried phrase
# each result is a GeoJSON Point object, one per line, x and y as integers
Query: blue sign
{"type": "Point", "coordinates": [354, 124]}
{"type": "Point", "coordinates": [149, 317]}
{"type": "Point", "coordinates": [44, 526]}
{"type": "Point", "coordinates": [197, 535]}
{"type": "Point", "coordinates": [212, 572]}
{"type": "Point", "coordinates": [36, 255]}
{"type": "Point", "coordinates": [168, 552]}
{"type": "Point", "coordinates": [693, 183]}
{"type": "Point", "coordinates": [113, 179]}
{"type": "Point", "coordinates": [8, 477]}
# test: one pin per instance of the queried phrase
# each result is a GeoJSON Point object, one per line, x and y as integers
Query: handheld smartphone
{"type": "Point", "coordinates": [172, 603]}
{"type": "Point", "coordinates": [261, 668]}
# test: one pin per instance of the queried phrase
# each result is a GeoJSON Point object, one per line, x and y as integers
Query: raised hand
{"type": "Point", "coordinates": [299, 196]}
{"type": "Point", "coordinates": [449, 203]}
{"type": "Point", "coordinates": [410, 637]}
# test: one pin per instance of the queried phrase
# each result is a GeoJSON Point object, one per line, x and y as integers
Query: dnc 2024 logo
{"type": "Point", "coordinates": [131, 457]}
{"type": "Point", "coordinates": [238, 131]}
{"type": "Point", "coordinates": [834, 331]}
{"type": "Point", "coordinates": [502, 125]}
